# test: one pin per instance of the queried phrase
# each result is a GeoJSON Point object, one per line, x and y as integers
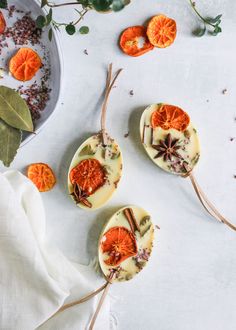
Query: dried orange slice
{"type": "Point", "coordinates": [89, 175]}
{"type": "Point", "coordinates": [42, 176]}
{"type": "Point", "coordinates": [120, 244]}
{"type": "Point", "coordinates": [170, 116]}
{"type": "Point", "coordinates": [134, 41]}
{"type": "Point", "coordinates": [2, 23]}
{"type": "Point", "coordinates": [161, 31]}
{"type": "Point", "coordinates": [24, 64]}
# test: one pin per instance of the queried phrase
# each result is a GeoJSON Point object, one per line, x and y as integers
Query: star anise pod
{"type": "Point", "coordinates": [167, 148]}
{"type": "Point", "coordinates": [80, 196]}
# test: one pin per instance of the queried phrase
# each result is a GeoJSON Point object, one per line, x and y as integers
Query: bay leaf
{"type": "Point", "coordinates": [10, 139]}
{"type": "Point", "coordinates": [14, 110]}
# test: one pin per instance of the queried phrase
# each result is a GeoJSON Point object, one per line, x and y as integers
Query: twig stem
{"type": "Point", "coordinates": [54, 5]}
{"type": "Point", "coordinates": [199, 15]}
{"type": "Point", "coordinates": [109, 85]}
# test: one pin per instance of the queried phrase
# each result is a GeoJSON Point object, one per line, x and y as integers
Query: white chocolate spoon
{"type": "Point", "coordinates": [171, 142]}
{"type": "Point", "coordinates": [96, 167]}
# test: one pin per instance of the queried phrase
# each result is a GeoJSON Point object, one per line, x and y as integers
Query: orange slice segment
{"type": "Point", "coordinates": [42, 176]}
{"type": "Point", "coordinates": [134, 41]}
{"type": "Point", "coordinates": [2, 23]}
{"type": "Point", "coordinates": [24, 64]}
{"type": "Point", "coordinates": [170, 116]}
{"type": "Point", "coordinates": [89, 175]}
{"type": "Point", "coordinates": [161, 31]}
{"type": "Point", "coordinates": [120, 244]}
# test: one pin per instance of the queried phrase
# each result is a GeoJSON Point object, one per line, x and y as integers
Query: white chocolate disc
{"type": "Point", "coordinates": [188, 147]}
{"type": "Point", "coordinates": [110, 158]}
{"type": "Point", "coordinates": [115, 238]}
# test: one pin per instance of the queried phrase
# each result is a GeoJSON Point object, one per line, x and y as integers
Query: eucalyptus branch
{"type": "Point", "coordinates": [100, 6]}
{"type": "Point", "coordinates": [212, 22]}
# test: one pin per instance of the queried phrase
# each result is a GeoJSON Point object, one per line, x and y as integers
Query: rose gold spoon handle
{"type": "Point", "coordinates": [101, 301]}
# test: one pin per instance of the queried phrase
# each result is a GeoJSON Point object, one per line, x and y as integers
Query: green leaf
{"type": "Point", "coordinates": [216, 30]}
{"type": "Point", "coordinates": [10, 141]}
{"type": "Point", "coordinates": [49, 17]}
{"type": "Point", "coordinates": [43, 3]}
{"type": "Point", "coordinates": [117, 5]}
{"type": "Point", "coordinates": [84, 3]}
{"type": "Point", "coordinates": [101, 5]}
{"type": "Point", "coordinates": [84, 30]}
{"type": "Point", "coordinates": [40, 21]}
{"type": "Point", "coordinates": [214, 20]}
{"type": "Point", "coordinates": [14, 110]}
{"type": "Point", "coordinates": [70, 29]}
{"type": "Point", "coordinates": [199, 32]}
{"type": "Point", "coordinates": [115, 155]}
{"type": "Point", "coordinates": [107, 169]}
{"type": "Point", "coordinates": [87, 150]}
{"type": "Point", "coordinates": [50, 34]}
{"type": "Point", "coordinates": [3, 4]}
{"type": "Point", "coordinates": [144, 220]}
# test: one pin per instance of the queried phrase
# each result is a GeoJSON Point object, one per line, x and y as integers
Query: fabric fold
{"type": "Point", "coordinates": [35, 277]}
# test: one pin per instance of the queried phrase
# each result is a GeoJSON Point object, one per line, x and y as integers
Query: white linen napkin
{"type": "Point", "coordinates": [36, 278]}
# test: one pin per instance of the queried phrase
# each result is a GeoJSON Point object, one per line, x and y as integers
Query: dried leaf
{"type": "Point", "coordinates": [144, 220]}
{"type": "Point", "coordinates": [14, 110]}
{"type": "Point", "coordinates": [87, 150]}
{"type": "Point", "coordinates": [145, 230]}
{"type": "Point", "coordinates": [107, 169]}
{"type": "Point", "coordinates": [115, 155]}
{"type": "Point", "coordinates": [10, 141]}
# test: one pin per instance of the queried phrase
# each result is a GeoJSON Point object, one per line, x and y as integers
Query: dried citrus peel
{"type": "Point", "coordinates": [42, 176]}
{"type": "Point", "coordinates": [2, 23]}
{"type": "Point", "coordinates": [161, 31]}
{"type": "Point", "coordinates": [134, 41]}
{"type": "Point", "coordinates": [89, 175]}
{"type": "Point", "coordinates": [119, 243]}
{"type": "Point", "coordinates": [170, 116]}
{"type": "Point", "coordinates": [25, 64]}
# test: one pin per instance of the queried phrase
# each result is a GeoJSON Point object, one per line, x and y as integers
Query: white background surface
{"type": "Point", "coordinates": [190, 281]}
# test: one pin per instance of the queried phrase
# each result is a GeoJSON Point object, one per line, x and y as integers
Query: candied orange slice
{"type": "Point", "coordinates": [42, 176]}
{"type": "Point", "coordinates": [119, 243]}
{"type": "Point", "coordinates": [161, 31]}
{"type": "Point", "coordinates": [134, 41]}
{"type": "Point", "coordinates": [24, 64]}
{"type": "Point", "coordinates": [89, 175]}
{"type": "Point", "coordinates": [170, 116]}
{"type": "Point", "coordinates": [2, 23]}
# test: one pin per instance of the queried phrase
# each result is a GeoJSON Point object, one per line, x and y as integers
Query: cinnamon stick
{"type": "Point", "coordinates": [134, 219]}
{"type": "Point", "coordinates": [129, 214]}
{"type": "Point", "coordinates": [151, 136]}
{"type": "Point", "coordinates": [143, 135]}
{"type": "Point", "coordinates": [128, 217]}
